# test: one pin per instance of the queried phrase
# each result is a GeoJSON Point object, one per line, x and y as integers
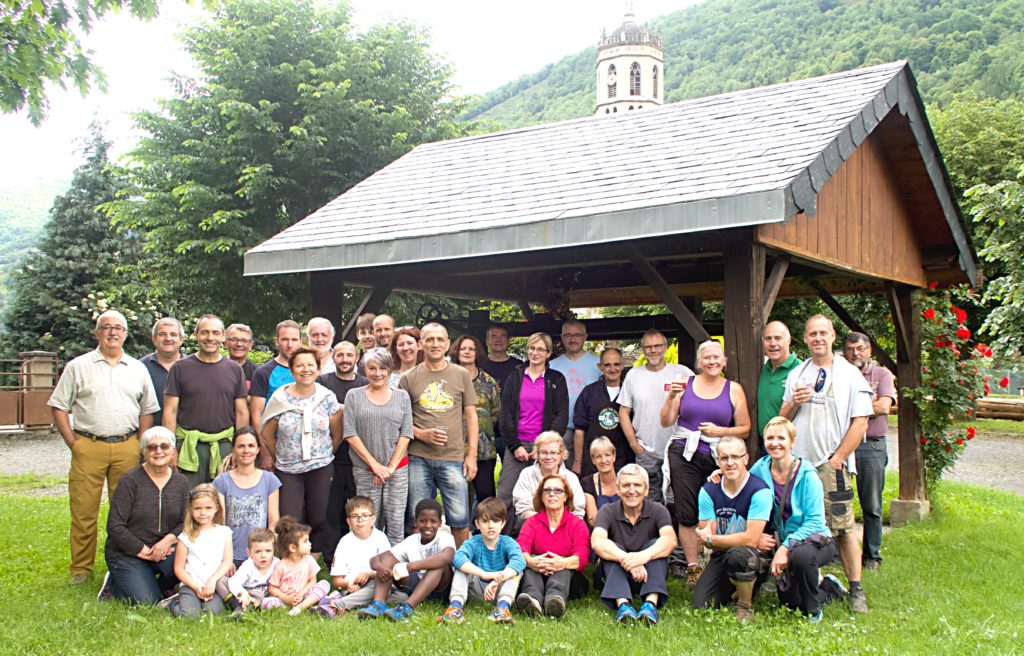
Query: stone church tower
{"type": "Point", "coordinates": [630, 67]}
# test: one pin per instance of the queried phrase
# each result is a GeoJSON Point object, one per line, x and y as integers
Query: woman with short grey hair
{"type": "Point", "coordinates": [378, 430]}
{"type": "Point", "coordinates": [147, 511]}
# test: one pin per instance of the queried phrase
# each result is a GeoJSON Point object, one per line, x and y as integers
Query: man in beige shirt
{"type": "Point", "coordinates": [111, 397]}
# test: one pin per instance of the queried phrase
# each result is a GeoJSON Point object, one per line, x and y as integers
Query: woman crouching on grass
{"type": "Point", "coordinates": [798, 514]}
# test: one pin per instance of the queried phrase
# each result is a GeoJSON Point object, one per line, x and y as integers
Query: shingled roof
{"type": "Point", "coordinates": [743, 158]}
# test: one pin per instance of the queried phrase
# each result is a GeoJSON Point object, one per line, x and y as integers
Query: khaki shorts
{"type": "Point", "coordinates": [838, 487]}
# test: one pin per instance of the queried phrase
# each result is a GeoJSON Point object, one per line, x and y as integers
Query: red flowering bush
{"type": "Point", "coordinates": [950, 383]}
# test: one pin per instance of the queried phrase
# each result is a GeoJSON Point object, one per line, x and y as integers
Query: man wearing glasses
{"type": "Point", "coordinates": [579, 367]}
{"type": "Point", "coordinates": [871, 456]}
{"type": "Point", "coordinates": [239, 342]}
{"type": "Point", "coordinates": [111, 397]}
{"type": "Point", "coordinates": [829, 402]}
{"type": "Point", "coordinates": [640, 400]}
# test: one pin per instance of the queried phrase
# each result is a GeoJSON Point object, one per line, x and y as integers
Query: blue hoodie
{"type": "Point", "coordinates": [807, 499]}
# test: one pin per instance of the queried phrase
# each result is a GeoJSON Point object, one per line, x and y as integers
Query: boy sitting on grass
{"type": "Point", "coordinates": [247, 587]}
{"type": "Point", "coordinates": [487, 566]}
{"type": "Point", "coordinates": [420, 565]}
{"type": "Point", "coordinates": [351, 573]}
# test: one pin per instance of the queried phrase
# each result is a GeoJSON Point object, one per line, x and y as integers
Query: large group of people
{"type": "Point", "coordinates": [249, 475]}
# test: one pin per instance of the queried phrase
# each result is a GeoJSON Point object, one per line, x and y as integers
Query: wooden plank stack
{"type": "Point", "coordinates": [999, 408]}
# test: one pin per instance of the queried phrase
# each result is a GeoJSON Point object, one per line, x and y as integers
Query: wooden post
{"type": "Point", "coordinates": [913, 502]}
{"type": "Point", "coordinates": [326, 297]}
{"type": "Point", "coordinates": [477, 322]}
{"type": "Point", "coordinates": [744, 319]}
{"type": "Point", "coordinates": [372, 302]}
{"type": "Point", "coordinates": [687, 344]}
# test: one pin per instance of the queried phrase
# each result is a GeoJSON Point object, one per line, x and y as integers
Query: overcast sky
{"type": "Point", "coordinates": [488, 44]}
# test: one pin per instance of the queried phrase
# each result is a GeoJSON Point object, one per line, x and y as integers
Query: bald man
{"type": "Point", "coordinates": [775, 341]}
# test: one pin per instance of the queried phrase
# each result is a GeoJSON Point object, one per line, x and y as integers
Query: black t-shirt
{"type": "Point", "coordinates": [249, 368]}
{"type": "Point", "coordinates": [499, 371]}
{"type": "Point", "coordinates": [629, 537]}
{"type": "Point", "coordinates": [206, 392]}
{"type": "Point", "coordinates": [340, 388]}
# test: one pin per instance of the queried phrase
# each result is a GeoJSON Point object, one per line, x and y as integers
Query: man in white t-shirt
{"type": "Point", "coordinates": [579, 367]}
{"type": "Point", "coordinates": [642, 395]}
{"type": "Point", "coordinates": [829, 402]}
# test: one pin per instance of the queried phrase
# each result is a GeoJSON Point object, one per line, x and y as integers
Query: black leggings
{"type": "Point", "coordinates": [483, 484]}
{"type": "Point", "coordinates": [304, 497]}
{"type": "Point", "coordinates": [798, 589]}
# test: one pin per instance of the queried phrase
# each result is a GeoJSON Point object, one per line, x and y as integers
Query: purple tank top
{"type": "Point", "coordinates": [693, 410]}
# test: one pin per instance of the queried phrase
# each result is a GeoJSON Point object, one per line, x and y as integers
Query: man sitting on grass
{"type": "Point", "coordinates": [420, 565]}
{"type": "Point", "coordinates": [633, 537]}
{"type": "Point", "coordinates": [487, 566]}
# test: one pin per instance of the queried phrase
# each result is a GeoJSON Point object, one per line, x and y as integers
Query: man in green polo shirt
{"type": "Point", "coordinates": [772, 383]}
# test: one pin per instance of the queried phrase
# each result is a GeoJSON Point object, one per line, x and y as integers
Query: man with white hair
{"type": "Point", "coordinates": [111, 397]}
{"type": "Point", "coordinates": [320, 335]}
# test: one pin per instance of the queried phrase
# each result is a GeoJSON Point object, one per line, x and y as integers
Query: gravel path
{"type": "Point", "coordinates": [992, 459]}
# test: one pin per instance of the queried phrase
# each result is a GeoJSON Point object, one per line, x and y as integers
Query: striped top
{"type": "Point", "coordinates": [505, 554]}
{"type": "Point", "coordinates": [378, 426]}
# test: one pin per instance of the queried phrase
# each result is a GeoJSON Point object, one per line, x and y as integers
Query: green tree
{"type": "Point", "coordinates": [292, 108]}
{"type": "Point", "coordinates": [41, 44]}
{"type": "Point", "coordinates": [60, 284]}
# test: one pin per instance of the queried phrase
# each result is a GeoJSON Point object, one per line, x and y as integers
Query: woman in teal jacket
{"type": "Point", "coordinates": [798, 515]}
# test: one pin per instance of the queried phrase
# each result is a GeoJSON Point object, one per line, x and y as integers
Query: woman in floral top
{"type": "Point", "coordinates": [468, 352]}
{"type": "Point", "coordinates": [301, 428]}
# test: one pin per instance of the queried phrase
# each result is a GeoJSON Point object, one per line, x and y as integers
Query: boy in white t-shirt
{"type": "Point", "coordinates": [247, 587]}
{"type": "Point", "coordinates": [351, 573]}
{"type": "Point", "coordinates": [420, 565]}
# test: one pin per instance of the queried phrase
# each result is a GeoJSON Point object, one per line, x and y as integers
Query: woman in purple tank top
{"type": "Point", "coordinates": [704, 409]}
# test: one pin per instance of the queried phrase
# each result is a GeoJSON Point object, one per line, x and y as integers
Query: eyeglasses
{"type": "Point", "coordinates": [536, 349]}
{"type": "Point", "coordinates": [863, 348]}
{"type": "Point", "coordinates": [573, 335]}
{"type": "Point", "coordinates": [117, 330]}
{"type": "Point", "coordinates": [654, 347]}
{"type": "Point", "coordinates": [238, 340]}
{"type": "Point", "coordinates": [731, 459]}
{"type": "Point", "coordinates": [819, 384]}
{"type": "Point", "coordinates": [553, 491]}
{"type": "Point", "coordinates": [161, 446]}
{"type": "Point", "coordinates": [550, 454]}
{"type": "Point", "coordinates": [361, 518]}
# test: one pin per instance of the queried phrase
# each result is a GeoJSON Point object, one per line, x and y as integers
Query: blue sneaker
{"type": "Point", "coordinates": [400, 613]}
{"type": "Point", "coordinates": [626, 615]}
{"type": "Point", "coordinates": [648, 614]}
{"type": "Point", "coordinates": [374, 611]}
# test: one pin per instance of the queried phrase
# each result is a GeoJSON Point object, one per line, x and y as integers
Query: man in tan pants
{"type": "Point", "coordinates": [111, 397]}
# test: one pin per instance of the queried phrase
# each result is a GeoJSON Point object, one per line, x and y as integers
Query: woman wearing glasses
{"type": "Point", "coordinates": [534, 399]}
{"type": "Point", "coordinates": [378, 429]}
{"type": "Point", "coordinates": [704, 409]}
{"type": "Point", "coordinates": [556, 545]}
{"type": "Point", "coordinates": [147, 511]}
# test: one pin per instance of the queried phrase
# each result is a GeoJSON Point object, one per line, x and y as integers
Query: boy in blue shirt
{"type": "Point", "coordinates": [487, 566]}
{"type": "Point", "coordinates": [733, 515]}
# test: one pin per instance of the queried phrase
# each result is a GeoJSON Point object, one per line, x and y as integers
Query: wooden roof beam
{"type": "Point", "coordinates": [681, 312]}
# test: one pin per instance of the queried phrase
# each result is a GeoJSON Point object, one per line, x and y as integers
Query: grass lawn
{"type": "Point", "coordinates": [948, 586]}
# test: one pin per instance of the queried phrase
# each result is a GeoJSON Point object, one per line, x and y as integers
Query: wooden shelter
{"type": "Point", "coordinates": [823, 186]}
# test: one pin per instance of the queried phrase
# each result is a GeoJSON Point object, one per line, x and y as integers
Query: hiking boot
{"type": "Point", "coordinates": [871, 565]}
{"type": "Point", "coordinates": [78, 578]}
{"type": "Point", "coordinates": [373, 611]}
{"type": "Point", "coordinates": [554, 607]}
{"type": "Point", "coordinates": [693, 573]}
{"type": "Point", "coordinates": [105, 593]}
{"type": "Point", "coordinates": [831, 589]}
{"type": "Point", "coordinates": [678, 570]}
{"type": "Point", "coordinates": [453, 615]}
{"type": "Point", "coordinates": [399, 613]}
{"type": "Point", "coordinates": [625, 615]}
{"type": "Point", "coordinates": [527, 605]}
{"type": "Point", "coordinates": [858, 601]}
{"type": "Point", "coordinates": [648, 614]}
{"type": "Point", "coordinates": [237, 614]}
{"type": "Point", "coordinates": [501, 615]}
{"type": "Point", "coordinates": [744, 611]}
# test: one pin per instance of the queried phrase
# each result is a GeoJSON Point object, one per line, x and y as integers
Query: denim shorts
{"type": "Point", "coordinates": [426, 476]}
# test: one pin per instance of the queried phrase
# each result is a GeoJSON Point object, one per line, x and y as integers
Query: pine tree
{"type": "Point", "coordinates": [51, 308]}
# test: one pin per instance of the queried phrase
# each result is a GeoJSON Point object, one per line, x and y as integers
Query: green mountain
{"type": "Point", "coordinates": [718, 46]}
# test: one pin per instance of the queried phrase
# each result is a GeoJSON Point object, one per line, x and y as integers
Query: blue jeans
{"type": "Point", "coordinates": [872, 458]}
{"type": "Point", "coordinates": [139, 581]}
{"type": "Point", "coordinates": [426, 476]}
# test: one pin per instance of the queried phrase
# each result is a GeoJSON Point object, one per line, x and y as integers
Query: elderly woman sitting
{"type": "Point", "coordinates": [556, 545]}
{"type": "Point", "coordinates": [147, 513]}
{"type": "Point", "coordinates": [550, 453]}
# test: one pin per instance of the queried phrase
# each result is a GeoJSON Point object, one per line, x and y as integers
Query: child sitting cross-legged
{"type": "Point", "coordinates": [420, 565]}
{"type": "Point", "coordinates": [292, 582]}
{"type": "Point", "coordinates": [351, 573]}
{"type": "Point", "coordinates": [487, 566]}
{"type": "Point", "coordinates": [247, 587]}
